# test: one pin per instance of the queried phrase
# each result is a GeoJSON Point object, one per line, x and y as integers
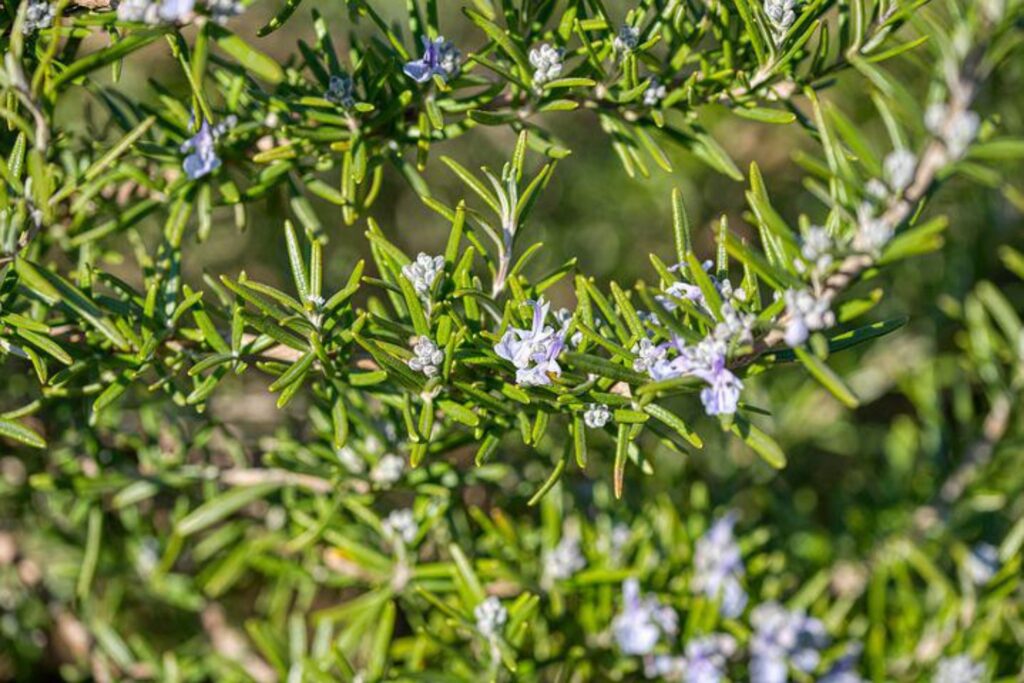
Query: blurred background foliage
{"type": "Point", "coordinates": [876, 512]}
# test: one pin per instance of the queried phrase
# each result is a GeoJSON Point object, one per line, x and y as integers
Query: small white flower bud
{"type": "Point", "coordinates": [655, 93]}
{"type": "Point", "coordinates": [781, 16]}
{"type": "Point", "coordinates": [388, 470]}
{"type": "Point", "coordinates": [900, 166]}
{"type": "Point", "coordinates": [647, 354]}
{"type": "Point", "coordinates": [423, 272]}
{"type": "Point", "coordinates": [547, 63]}
{"type": "Point", "coordinates": [956, 130]}
{"type": "Point", "coordinates": [428, 357]}
{"type": "Point", "coordinates": [38, 15]}
{"type": "Point", "coordinates": [627, 39]}
{"type": "Point", "coordinates": [400, 525]}
{"type": "Point", "coordinates": [596, 415]}
{"type": "Point", "coordinates": [490, 617]}
{"type": "Point", "coordinates": [807, 312]}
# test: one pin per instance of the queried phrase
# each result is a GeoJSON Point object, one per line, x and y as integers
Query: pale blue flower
{"type": "Point", "coordinates": [662, 367]}
{"type": "Point", "coordinates": [440, 58]}
{"type": "Point", "coordinates": [784, 639]}
{"type": "Point", "coordinates": [680, 290]}
{"type": "Point", "coordinates": [718, 567]}
{"type": "Point", "coordinates": [142, 11]}
{"type": "Point", "coordinates": [564, 317]}
{"type": "Point", "coordinates": [203, 160]}
{"type": "Point", "coordinates": [647, 354]}
{"type": "Point", "coordinates": [350, 460]}
{"type": "Point", "coordinates": [781, 16]}
{"type": "Point", "coordinates": [545, 366]}
{"type": "Point", "coordinates": [705, 360]}
{"type": "Point", "coordinates": [665, 667]}
{"type": "Point", "coordinates": [169, 11]}
{"type": "Point", "coordinates": [817, 249]}
{"type": "Point", "coordinates": [642, 621]}
{"type": "Point", "coordinates": [957, 129]}
{"type": "Point", "coordinates": [388, 470]}
{"type": "Point", "coordinates": [722, 395]}
{"type": "Point", "coordinates": [765, 669]}
{"type": "Point", "coordinates": [706, 658]}
{"type": "Point", "coordinates": [534, 352]}
{"type": "Point", "coordinates": [705, 661]}
{"type": "Point", "coordinates": [565, 559]}
{"type": "Point", "coordinates": [873, 231]}
{"type": "Point", "coordinates": [735, 326]}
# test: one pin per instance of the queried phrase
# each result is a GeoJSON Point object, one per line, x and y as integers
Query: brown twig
{"type": "Point", "coordinates": [977, 456]}
{"type": "Point", "coordinates": [256, 477]}
{"type": "Point", "coordinates": [933, 159]}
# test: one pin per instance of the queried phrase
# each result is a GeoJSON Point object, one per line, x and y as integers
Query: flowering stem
{"type": "Point", "coordinates": [934, 158]}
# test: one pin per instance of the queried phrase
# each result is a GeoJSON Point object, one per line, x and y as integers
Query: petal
{"type": "Point", "coordinates": [507, 347]}
{"type": "Point", "coordinates": [193, 166]}
{"type": "Point", "coordinates": [417, 70]}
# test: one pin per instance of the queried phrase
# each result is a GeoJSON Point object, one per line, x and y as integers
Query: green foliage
{"type": "Point", "coordinates": [436, 436]}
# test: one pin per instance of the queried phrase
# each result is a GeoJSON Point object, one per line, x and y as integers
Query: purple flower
{"type": "Point", "coordinates": [565, 559]}
{"type": "Point", "coordinates": [705, 360]}
{"type": "Point", "coordinates": [784, 639]}
{"type": "Point", "coordinates": [718, 567]}
{"type": "Point", "coordinates": [659, 364]}
{"type": "Point", "coordinates": [705, 661]}
{"type": "Point", "coordinates": [680, 290]}
{"type": "Point", "coordinates": [665, 667]}
{"type": "Point", "coordinates": [639, 625]}
{"type": "Point", "coordinates": [440, 58]}
{"type": "Point", "coordinates": [706, 658]}
{"type": "Point", "coordinates": [535, 351]}
{"type": "Point", "coordinates": [545, 365]}
{"type": "Point", "coordinates": [722, 394]}
{"type": "Point", "coordinates": [203, 160]}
